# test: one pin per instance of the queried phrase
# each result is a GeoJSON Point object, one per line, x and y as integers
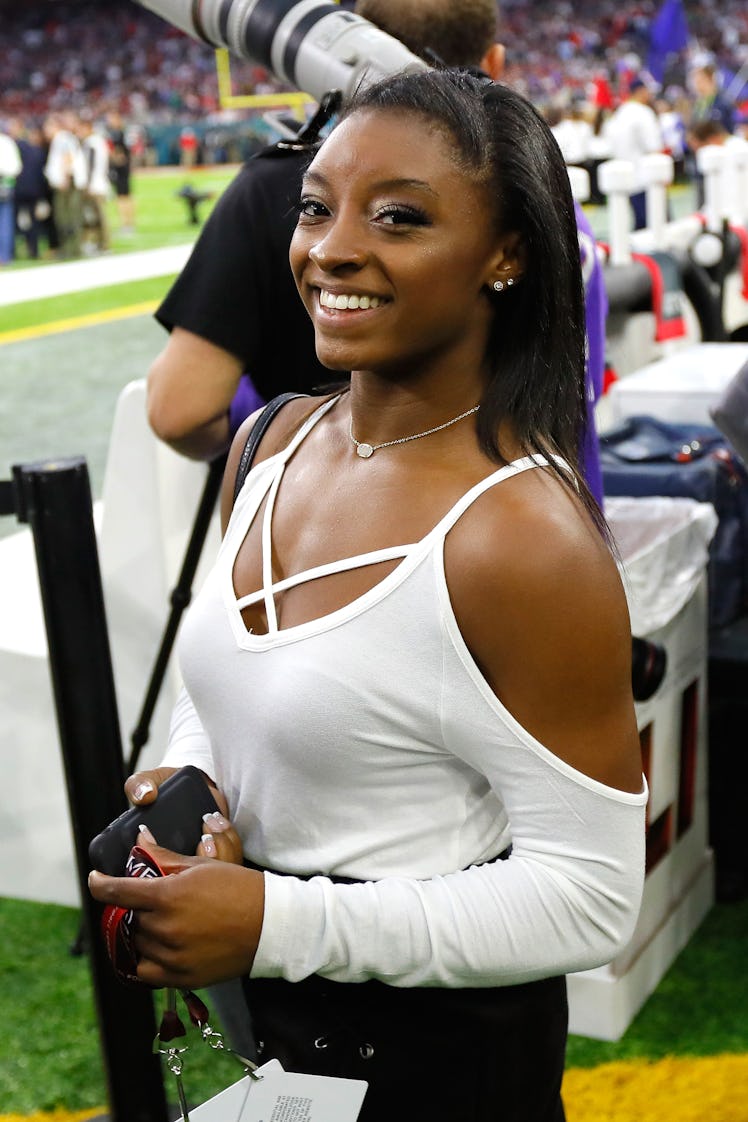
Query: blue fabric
{"type": "Point", "coordinates": [668, 34]}
{"type": "Point", "coordinates": [7, 230]}
{"type": "Point", "coordinates": [646, 456]}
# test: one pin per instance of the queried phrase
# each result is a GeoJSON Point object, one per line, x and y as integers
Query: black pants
{"type": "Point", "coordinates": [428, 1054]}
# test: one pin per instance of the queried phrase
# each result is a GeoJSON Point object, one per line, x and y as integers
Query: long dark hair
{"type": "Point", "coordinates": [536, 351]}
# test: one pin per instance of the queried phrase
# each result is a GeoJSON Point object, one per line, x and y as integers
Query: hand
{"type": "Point", "coordinates": [142, 787]}
{"type": "Point", "coordinates": [197, 925]}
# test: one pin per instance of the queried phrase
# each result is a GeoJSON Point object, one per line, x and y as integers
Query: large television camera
{"type": "Point", "coordinates": [315, 45]}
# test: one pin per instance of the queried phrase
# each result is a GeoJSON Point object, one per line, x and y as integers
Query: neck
{"type": "Point", "coordinates": [383, 410]}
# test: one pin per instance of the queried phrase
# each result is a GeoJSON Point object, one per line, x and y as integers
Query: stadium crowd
{"type": "Point", "coordinates": [109, 76]}
{"type": "Point", "coordinates": [59, 53]}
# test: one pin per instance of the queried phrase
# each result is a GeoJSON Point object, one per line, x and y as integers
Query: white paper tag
{"type": "Point", "coordinates": [285, 1096]}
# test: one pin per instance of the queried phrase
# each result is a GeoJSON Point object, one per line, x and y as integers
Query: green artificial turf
{"type": "Point", "coordinates": [700, 1007]}
{"type": "Point", "coordinates": [52, 309]}
{"type": "Point", "coordinates": [50, 1055]}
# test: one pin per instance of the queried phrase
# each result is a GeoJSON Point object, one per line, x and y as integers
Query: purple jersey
{"type": "Point", "coordinates": [596, 311]}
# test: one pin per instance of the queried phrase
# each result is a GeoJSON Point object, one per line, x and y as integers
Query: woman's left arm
{"type": "Point", "coordinates": [543, 633]}
{"type": "Point", "coordinates": [540, 605]}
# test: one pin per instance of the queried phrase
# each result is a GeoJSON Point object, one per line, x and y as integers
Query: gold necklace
{"type": "Point", "coordinates": [365, 450]}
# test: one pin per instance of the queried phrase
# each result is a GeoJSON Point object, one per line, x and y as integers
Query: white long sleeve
{"type": "Point", "coordinates": [188, 741]}
{"type": "Point", "coordinates": [552, 907]}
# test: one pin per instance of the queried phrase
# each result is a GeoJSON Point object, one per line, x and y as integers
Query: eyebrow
{"type": "Point", "coordinates": [316, 177]}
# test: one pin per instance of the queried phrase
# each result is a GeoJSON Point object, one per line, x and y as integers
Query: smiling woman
{"type": "Point", "coordinates": [409, 671]}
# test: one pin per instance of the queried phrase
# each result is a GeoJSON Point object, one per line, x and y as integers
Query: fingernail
{"type": "Point", "coordinates": [142, 790]}
{"type": "Point", "coordinates": [216, 821]}
{"type": "Point", "coordinates": [146, 834]}
{"type": "Point", "coordinates": [209, 845]}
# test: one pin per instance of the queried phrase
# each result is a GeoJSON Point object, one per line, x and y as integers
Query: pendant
{"type": "Point", "coordinates": [364, 451]}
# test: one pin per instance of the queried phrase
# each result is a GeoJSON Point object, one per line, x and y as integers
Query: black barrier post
{"type": "Point", "coordinates": [54, 497]}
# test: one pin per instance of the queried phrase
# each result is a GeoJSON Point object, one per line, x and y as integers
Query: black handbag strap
{"type": "Point", "coordinates": [259, 429]}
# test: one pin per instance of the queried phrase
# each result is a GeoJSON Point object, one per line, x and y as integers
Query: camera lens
{"type": "Point", "coordinates": [313, 44]}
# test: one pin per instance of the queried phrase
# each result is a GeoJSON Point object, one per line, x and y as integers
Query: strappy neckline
{"type": "Point", "coordinates": [410, 555]}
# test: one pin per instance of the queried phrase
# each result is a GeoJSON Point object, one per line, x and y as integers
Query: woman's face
{"type": "Point", "coordinates": [394, 249]}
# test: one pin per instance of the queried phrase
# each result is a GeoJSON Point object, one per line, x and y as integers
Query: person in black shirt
{"type": "Point", "coordinates": [120, 163]}
{"type": "Point", "coordinates": [235, 308]}
{"type": "Point", "coordinates": [32, 189]}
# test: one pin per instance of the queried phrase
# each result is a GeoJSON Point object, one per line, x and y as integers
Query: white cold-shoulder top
{"type": "Point", "coordinates": [366, 744]}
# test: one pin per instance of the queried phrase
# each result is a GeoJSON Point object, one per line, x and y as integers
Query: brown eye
{"type": "Point", "coordinates": [397, 215]}
{"type": "Point", "coordinates": [311, 208]}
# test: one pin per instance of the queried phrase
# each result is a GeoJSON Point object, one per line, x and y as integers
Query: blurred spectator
{"type": "Point", "coordinates": [673, 129]}
{"type": "Point", "coordinates": [703, 133]}
{"type": "Point", "coordinates": [711, 104]}
{"type": "Point", "coordinates": [97, 188]}
{"type": "Point", "coordinates": [634, 131]}
{"type": "Point", "coordinates": [710, 107]}
{"type": "Point", "coordinates": [120, 163]}
{"type": "Point", "coordinates": [188, 147]}
{"type": "Point", "coordinates": [573, 135]}
{"type": "Point", "coordinates": [65, 170]}
{"type": "Point", "coordinates": [599, 149]}
{"type": "Point", "coordinates": [31, 186]}
{"type": "Point", "coordinates": [10, 167]}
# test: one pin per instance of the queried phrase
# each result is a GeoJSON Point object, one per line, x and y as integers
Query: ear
{"type": "Point", "coordinates": [508, 262]}
{"type": "Point", "coordinates": [493, 61]}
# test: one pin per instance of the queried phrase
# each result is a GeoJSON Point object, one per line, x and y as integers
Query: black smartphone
{"type": "Point", "coordinates": [175, 819]}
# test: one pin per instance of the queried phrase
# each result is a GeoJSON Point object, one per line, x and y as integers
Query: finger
{"type": "Point", "coordinates": [221, 841]}
{"type": "Point", "coordinates": [159, 976]}
{"type": "Point", "coordinates": [207, 846]}
{"type": "Point", "coordinates": [216, 823]}
{"type": "Point", "coordinates": [167, 860]}
{"type": "Point", "coordinates": [142, 787]}
{"type": "Point", "coordinates": [126, 892]}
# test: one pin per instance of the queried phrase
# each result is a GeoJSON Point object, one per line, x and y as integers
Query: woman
{"type": "Point", "coordinates": [440, 725]}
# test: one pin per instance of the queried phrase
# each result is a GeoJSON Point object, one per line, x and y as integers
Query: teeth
{"type": "Point", "coordinates": [348, 303]}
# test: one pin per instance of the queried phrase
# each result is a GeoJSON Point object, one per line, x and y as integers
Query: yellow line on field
{"type": "Point", "coordinates": [708, 1089]}
{"type": "Point", "coordinates": [76, 322]}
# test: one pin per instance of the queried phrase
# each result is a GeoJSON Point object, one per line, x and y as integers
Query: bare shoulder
{"type": "Point", "coordinates": [531, 533]}
{"type": "Point", "coordinates": [540, 605]}
{"type": "Point", "coordinates": [282, 429]}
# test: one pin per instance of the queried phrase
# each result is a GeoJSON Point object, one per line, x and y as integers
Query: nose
{"type": "Point", "coordinates": [341, 246]}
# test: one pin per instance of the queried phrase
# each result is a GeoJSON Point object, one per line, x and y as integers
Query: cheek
{"type": "Point", "coordinates": [297, 255]}
{"type": "Point", "coordinates": [456, 279]}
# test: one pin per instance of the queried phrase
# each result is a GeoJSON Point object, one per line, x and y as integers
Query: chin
{"type": "Point", "coordinates": [338, 358]}
{"type": "Point", "coordinates": [334, 364]}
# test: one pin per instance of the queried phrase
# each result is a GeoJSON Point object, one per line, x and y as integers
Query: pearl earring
{"type": "Point", "coordinates": [498, 286]}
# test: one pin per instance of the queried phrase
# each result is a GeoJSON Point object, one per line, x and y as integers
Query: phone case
{"type": "Point", "coordinates": [174, 819]}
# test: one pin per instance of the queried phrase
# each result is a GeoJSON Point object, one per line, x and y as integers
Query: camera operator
{"type": "Point", "coordinates": [234, 307]}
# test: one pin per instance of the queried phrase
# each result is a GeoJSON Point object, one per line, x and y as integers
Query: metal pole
{"type": "Point", "coordinates": [179, 599]}
{"type": "Point", "coordinates": [54, 497]}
